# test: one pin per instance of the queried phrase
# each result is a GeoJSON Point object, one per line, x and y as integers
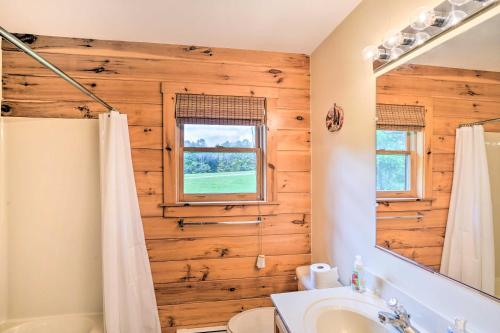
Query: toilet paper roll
{"type": "Point", "coordinates": [323, 276]}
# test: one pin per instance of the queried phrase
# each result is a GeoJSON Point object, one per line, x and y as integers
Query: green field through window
{"type": "Point", "coordinates": [220, 182]}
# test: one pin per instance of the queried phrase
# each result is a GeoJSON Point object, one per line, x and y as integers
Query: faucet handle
{"type": "Point", "coordinates": [395, 306]}
{"type": "Point", "coordinates": [393, 303]}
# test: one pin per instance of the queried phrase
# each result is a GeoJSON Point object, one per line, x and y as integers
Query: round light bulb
{"type": "Point", "coordinates": [421, 37]}
{"type": "Point", "coordinates": [392, 39]}
{"type": "Point", "coordinates": [370, 53]}
{"type": "Point", "coordinates": [396, 53]}
{"type": "Point", "coordinates": [459, 2]}
{"type": "Point", "coordinates": [455, 17]}
{"type": "Point", "coordinates": [423, 18]}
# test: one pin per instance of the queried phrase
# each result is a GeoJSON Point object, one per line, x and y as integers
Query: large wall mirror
{"type": "Point", "coordinates": [438, 158]}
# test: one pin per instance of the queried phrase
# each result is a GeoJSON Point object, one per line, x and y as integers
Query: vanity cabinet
{"type": "Point", "coordinates": [279, 326]}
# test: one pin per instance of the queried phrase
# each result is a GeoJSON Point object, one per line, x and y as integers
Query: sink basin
{"type": "Point", "coordinates": [345, 321]}
{"type": "Point", "coordinates": [343, 315]}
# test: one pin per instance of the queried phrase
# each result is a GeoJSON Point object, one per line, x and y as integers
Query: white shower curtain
{"type": "Point", "coordinates": [468, 253]}
{"type": "Point", "coordinates": [129, 299]}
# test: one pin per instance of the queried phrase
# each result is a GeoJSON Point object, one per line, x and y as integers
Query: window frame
{"type": "Point", "coordinates": [259, 150]}
{"type": "Point", "coordinates": [411, 152]}
{"type": "Point", "coordinates": [170, 205]}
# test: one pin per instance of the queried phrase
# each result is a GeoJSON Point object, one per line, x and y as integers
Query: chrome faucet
{"type": "Point", "coordinates": [399, 319]}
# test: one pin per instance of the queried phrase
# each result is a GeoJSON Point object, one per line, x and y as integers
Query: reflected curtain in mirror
{"type": "Point", "coordinates": [469, 250]}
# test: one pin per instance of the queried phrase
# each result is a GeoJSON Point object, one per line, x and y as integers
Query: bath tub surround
{"type": "Point", "coordinates": [77, 323]}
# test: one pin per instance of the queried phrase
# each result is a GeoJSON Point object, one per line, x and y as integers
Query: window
{"type": "Point", "coordinates": [221, 148]}
{"type": "Point", "coordinates": [220, 162]}
{"type": "Point", "coordinates": [399, 151]}
{"type": "Point", "coordinates": [396, 164]}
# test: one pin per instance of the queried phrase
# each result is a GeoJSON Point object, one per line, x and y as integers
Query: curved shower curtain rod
{"type": "Point", "coordinates": [23, 47]}
{"type": "Point", "coordinates": [482, 122]}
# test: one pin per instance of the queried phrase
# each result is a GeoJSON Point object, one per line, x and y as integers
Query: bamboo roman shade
{"type": "Point", "coordinates": [223, 110]}
{"type": "Point", "coordinates": [400, 117]}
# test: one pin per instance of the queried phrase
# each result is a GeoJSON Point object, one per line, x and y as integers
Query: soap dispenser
{"type": "Point", "coordinates": [358, 275]}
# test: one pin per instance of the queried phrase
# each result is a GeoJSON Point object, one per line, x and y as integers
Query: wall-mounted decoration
{"type": "Point", "coordinates": [335, 118]}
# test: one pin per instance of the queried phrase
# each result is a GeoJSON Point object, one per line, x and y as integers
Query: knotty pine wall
{"type": "Point", "coordinates": [451, 97]}
{"type": "Point", "coordinates": [202, 275]}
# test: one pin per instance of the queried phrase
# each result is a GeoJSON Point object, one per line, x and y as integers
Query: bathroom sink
{"type": "Point", "coordinates": [334, 310]}
{"type": "Point", "coordinates": [344, 315]}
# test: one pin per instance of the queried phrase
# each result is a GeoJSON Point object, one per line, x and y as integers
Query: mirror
{"type": "Point", "coordinates": [438, 159]}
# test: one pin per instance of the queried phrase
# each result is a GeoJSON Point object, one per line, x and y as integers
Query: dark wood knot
{"type": "Point", "coordinates": [299, 118]}
{"type": "Point", "coordinates": [99, 69]}
{"type": "Point", "coordinates": [6, 108]}
{"type": "Point", "coordinates": [27, 38]}
{"type": "Point", "coordinates": [208, 52]}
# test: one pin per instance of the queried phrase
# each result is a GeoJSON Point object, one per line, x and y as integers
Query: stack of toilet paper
{"type": "Point", "coordinates": [317, 276]}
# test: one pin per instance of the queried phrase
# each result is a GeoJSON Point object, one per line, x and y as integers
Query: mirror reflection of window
{"type": "Point", "coordinates": [398, 146]}
{"type": "Point", "coordinates": [396, 164]}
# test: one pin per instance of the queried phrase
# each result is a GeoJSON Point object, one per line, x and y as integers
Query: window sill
{"type": "Point", "coordinates": [403, 199]}
{"type": "Point", "coordinates": [221, 203]}
{"type": "Point", "coordinates": [398, 199]}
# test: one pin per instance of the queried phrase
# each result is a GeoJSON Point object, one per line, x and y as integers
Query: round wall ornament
{"type": "Point", "coordinates": [335, 118]}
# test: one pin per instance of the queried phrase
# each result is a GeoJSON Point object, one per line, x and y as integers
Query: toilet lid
{"type": "Point", "coordinates": [251, 321]}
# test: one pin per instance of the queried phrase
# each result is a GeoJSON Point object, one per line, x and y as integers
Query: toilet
{"type": "Point", "coordinates": [251, 321]}
{"type": "Point", "coordinates": [261, 320]}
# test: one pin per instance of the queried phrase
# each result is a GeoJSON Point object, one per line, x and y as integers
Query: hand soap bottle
{"type": "Point", "coordinates": [358, 275]}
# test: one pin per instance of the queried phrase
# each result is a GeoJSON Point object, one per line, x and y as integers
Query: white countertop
{"type": "Point", "coordinates": [293, 306]}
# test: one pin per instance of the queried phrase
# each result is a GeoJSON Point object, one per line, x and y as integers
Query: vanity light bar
{"type": "Point", "coordinates": [426, 23]}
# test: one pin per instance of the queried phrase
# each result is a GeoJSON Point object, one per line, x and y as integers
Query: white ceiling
{"type": "Point", "coordinates": [476, 49]}
{"type": "Point", "coordinates": [273, 25]}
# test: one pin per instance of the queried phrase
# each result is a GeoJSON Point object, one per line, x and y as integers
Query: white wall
{"type": "Point", "coordinates": [493, 152]}
{"type": "Point", "coordinates": [3, 223]}
{"type": "Point", "coordinates": [343, 166]}
{"type": "Point", "coordinates": [52, 194]}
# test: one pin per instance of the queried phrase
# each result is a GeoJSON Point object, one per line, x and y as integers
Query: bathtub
{"type": "Point", "coordinates": [56, 324]}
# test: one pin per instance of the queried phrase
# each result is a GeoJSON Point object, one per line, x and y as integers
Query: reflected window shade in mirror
{"type": "Point", "coordinates": [220, 110]}
{"type": "Point", "coordinates": [400, 117]}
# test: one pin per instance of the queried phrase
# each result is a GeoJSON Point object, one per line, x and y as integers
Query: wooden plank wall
{"type": "Point", "coordinates": [456, 96]}
{"type": "Point", "coordinates": [203, 275]}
